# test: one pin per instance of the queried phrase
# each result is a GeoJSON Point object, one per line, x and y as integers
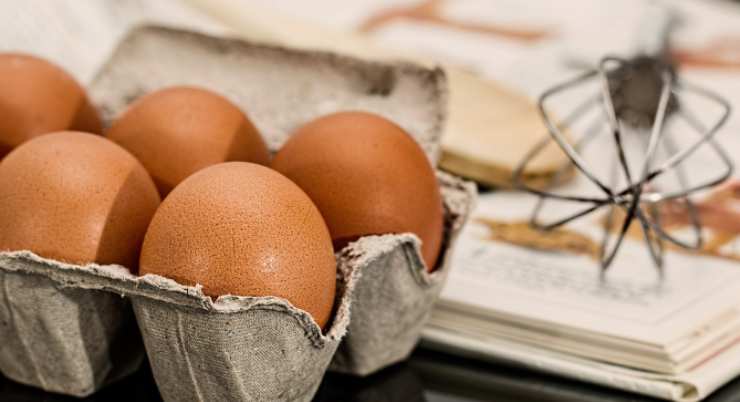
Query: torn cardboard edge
{"type": "Point", "coordinates": [118, 279]}
{"type": "Point", "coordinates": [458, 196]}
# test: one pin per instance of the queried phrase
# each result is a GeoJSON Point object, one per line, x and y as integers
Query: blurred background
{"type": "Point", "coordinates": [518, 43]}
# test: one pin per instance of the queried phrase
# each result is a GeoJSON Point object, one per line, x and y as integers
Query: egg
{"type": "Point", "coordinates": [37, 97]}
{"type": "Point", "coordinates": [177, 131]}
{"type": "Point", "coordinates": [75, 197]}
{"type": "Point", "coordinates": [367, 176]}
{"type": "Point", "coordinates": [243, 229]}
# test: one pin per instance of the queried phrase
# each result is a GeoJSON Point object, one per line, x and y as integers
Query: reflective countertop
{"type": "Point", "coordinates": [427, 376]}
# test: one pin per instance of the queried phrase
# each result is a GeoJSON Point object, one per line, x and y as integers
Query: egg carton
{"type": "Point", "coordinates": [67, 327]}
{"type": "Point", "coordinates": [234, 348]}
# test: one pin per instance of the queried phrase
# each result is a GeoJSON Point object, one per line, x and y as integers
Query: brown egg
{"type": "Point", "coordinates": [37, 97]}
{"type": "Point", "coordinates": [367, 176]}
{"type": "Point", "coordinates": [243, 229]}
{"type": "Point", "coordinates": [75, 197]}
{"type": "Point", "coordinates": [177, 131]}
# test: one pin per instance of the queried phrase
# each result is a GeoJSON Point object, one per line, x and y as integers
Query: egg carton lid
{"type": "Point", "coordinates": [279, 88]}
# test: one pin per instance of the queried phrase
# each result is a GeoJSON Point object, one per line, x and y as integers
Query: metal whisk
{"type": "Point", "coordinates": [638, 96]}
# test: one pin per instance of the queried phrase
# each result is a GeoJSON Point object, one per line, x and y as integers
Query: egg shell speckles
{"type": "Point", "coordinates": [242, 229]}
{"type": "Point", "coordinates": [177, 131]}
{"type": "Point", "coordinates": [75, 197]}
{"type": "Point", "coordinates": [367, 176]}
{"type": "Point", "coordinates": [37, 97]}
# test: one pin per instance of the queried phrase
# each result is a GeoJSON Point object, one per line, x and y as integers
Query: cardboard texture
{"type": "Point", "coordinates": [394, 294]}
{"type": "Point", "coordinates": [63, 339]}
{"type": "Point", "coordinates": [278, 88]}
{"type": "Point", "coordinates": [236, 348]}
{"type": "Point", "coordinates": [232, 349]}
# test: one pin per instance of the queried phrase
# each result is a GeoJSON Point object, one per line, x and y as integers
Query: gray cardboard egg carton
{"type": "Point", "coordinates": [68, 329]}
{"type": "Point", "coordinates": [233, 349]}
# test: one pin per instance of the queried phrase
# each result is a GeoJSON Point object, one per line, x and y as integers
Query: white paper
{"type": "Point", "coordinates": [79, 34]}
{"type": "Point", "coordinates": [688, 387]}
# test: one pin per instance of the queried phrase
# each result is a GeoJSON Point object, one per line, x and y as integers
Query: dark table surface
{"type": "Point", "coordinates": [427, 376]}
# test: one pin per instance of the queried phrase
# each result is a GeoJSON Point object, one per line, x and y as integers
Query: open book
{"type": "Point", "coordinates": [538, 299]}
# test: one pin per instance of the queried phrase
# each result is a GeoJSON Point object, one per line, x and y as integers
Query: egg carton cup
{"type": "Point", "coordinates": [394, 294]}
{"type": "Point", "coordinates": [238, 348]}
{"type": "Point", "coordinates": [232, 349]}
{"type": "Point", "coordinates": [60, 337]}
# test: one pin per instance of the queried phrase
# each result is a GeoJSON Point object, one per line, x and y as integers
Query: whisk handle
{"type": "Point", "coordinates": [655, 29]}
